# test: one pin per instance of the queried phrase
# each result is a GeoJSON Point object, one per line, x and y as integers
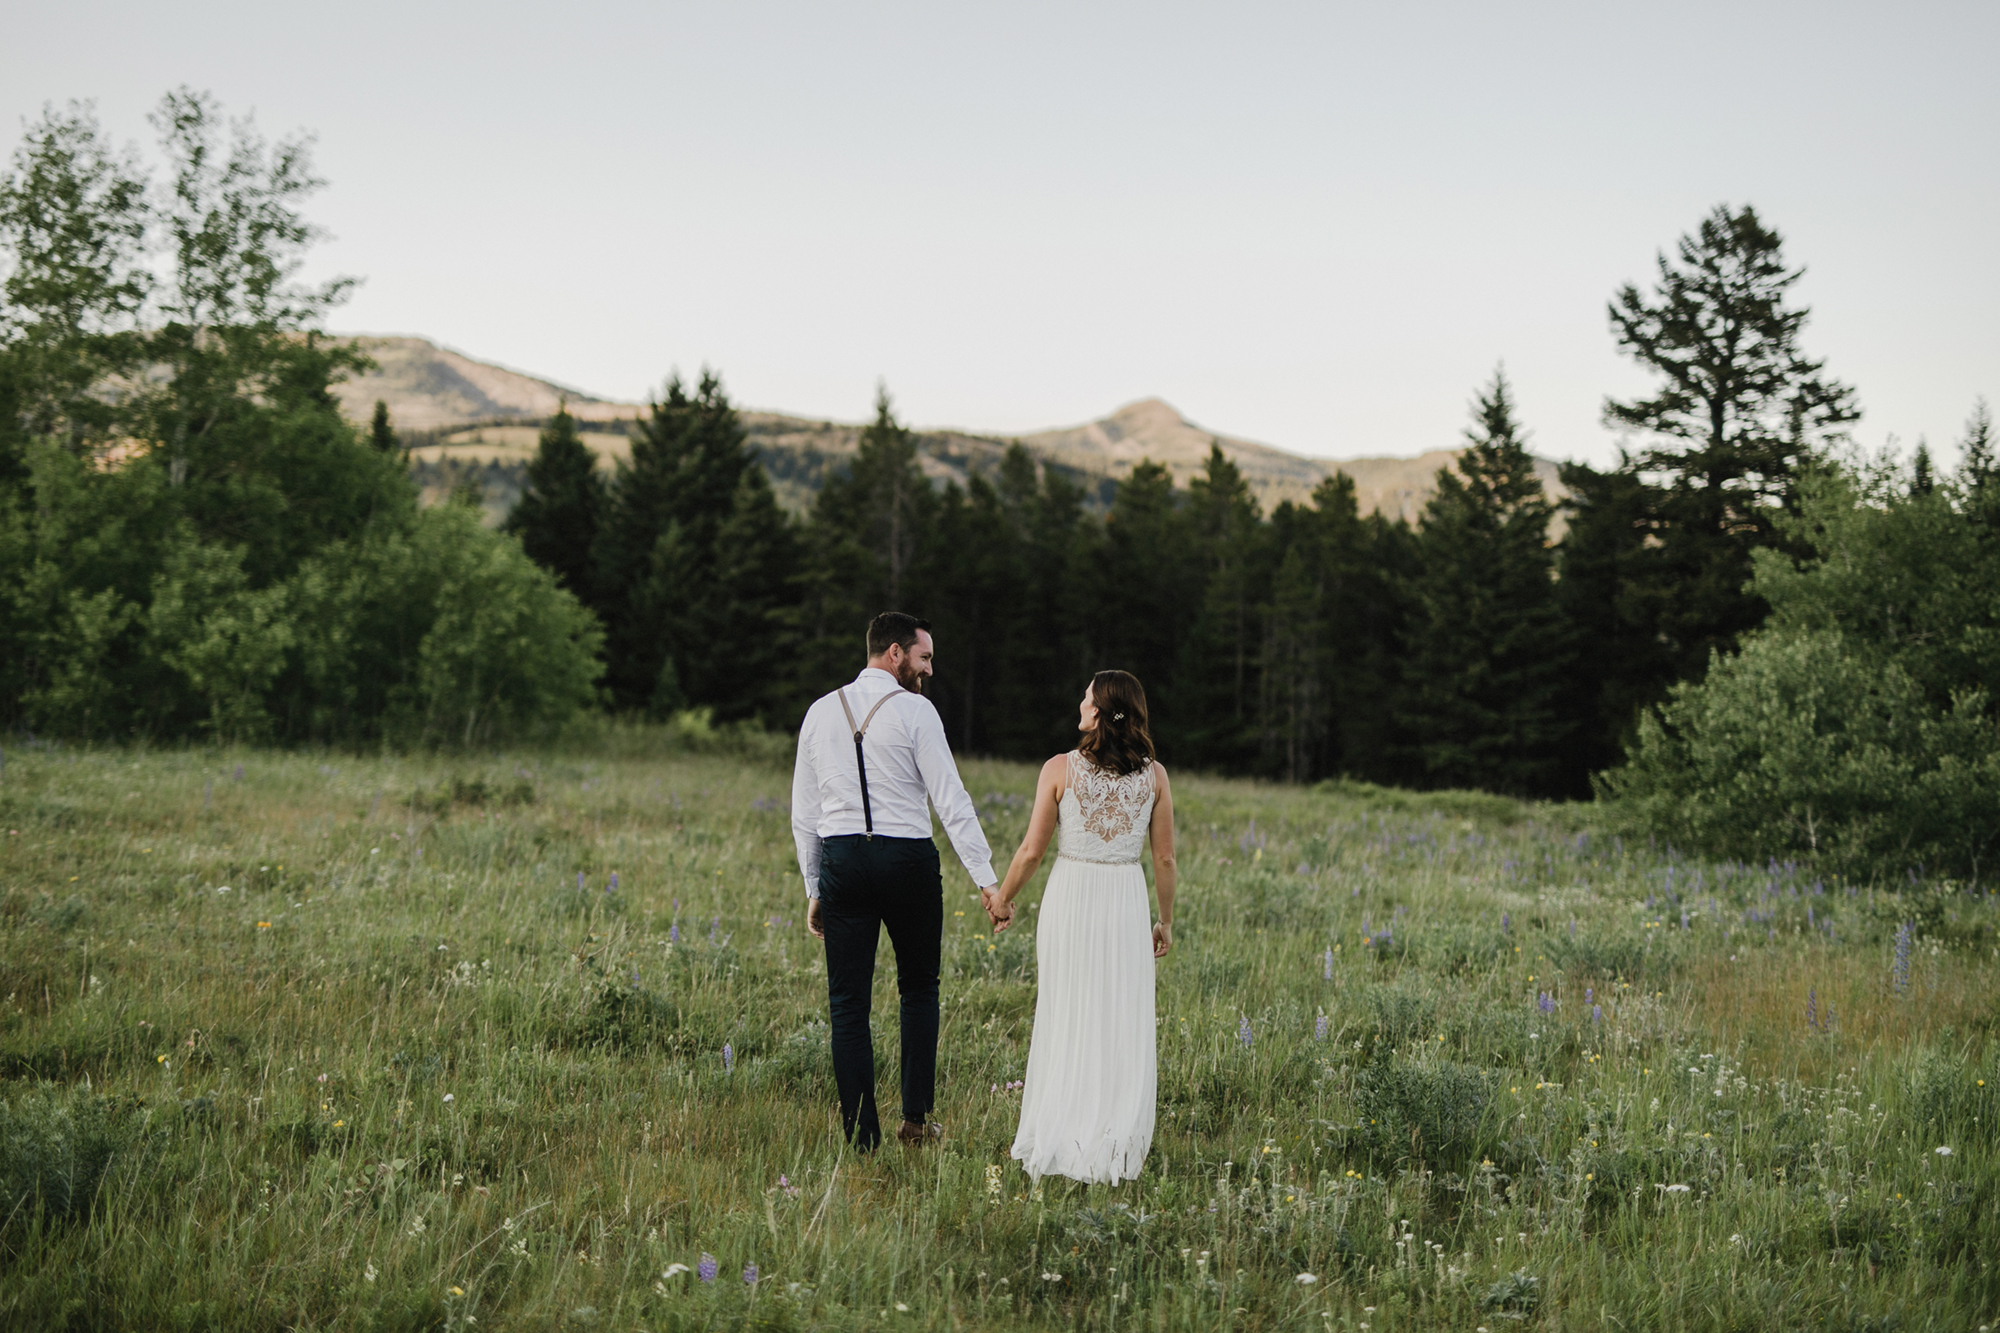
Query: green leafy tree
{"type": "Point", "coordinates": [1487, 650]}
{"type": "Point", "coordinates": [1856, 726]}
{"type": "Point", "coordinates": [561, 506]}
{"type": "Point", "coordinates": [73, 219]}
{"type": "Point", "coordinates": [226, 638]}
{"type": "Point", "coordinates": [439, 630]}
{"type": "Point", "coordinates": [243, 564]}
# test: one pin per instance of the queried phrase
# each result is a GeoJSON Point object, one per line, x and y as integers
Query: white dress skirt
{"type": "Point", "coordinates": [1087, 1107]}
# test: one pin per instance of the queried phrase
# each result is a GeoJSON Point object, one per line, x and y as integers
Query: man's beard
{"type": "Point", "coordinates": [909, 677]}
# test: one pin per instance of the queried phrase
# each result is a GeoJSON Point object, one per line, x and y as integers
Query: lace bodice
{"type": "Point", "coordinates": [1105, 818]}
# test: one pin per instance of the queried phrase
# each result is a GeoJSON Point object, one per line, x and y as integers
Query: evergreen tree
{"type": "Point", "coordinates": [1214, 686]}
{"type": "Point", "coordinates": [1978, 477]}
{"type": "Point", "coordinates": [1153, 583]}
{"type": "Point", "coordinates": [561, 506]}
{"type": "Point", "coordinates": [1739, 409]}
{"type": "Point", "coordinates": [1602, 562]}
{"type": "Point", "coordinates": [1486, 655]}
{"type": "Point", "coordinates": [868, 532]}
{"type": "Point", "coordinates": [974, 570]}
{"type": "Point", "coordinates": [1330, 639]}
{"type": "Point", "coordinates": [743, 618]}
{"type": "Point", "coordinates": [380, 433]}
{"type": "Point", "coordinates": [660, 556]}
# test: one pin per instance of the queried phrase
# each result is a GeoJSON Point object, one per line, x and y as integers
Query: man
{"type": "Point", "coordinates": [869, 754]}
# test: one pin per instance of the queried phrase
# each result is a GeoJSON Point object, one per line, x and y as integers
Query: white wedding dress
{"type": "Point", "coordinates": [1087, 1107]}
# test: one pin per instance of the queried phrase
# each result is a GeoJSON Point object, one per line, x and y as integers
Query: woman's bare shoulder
{"type": "Point", "coordinates": [1159, 776]}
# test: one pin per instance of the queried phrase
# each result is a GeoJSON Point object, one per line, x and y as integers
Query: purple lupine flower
{"type": "Point", "coordinates": [1588, 992]}
{"type": "Point", "coordinates": [612, 887]}
{"type": "Point", "coordinates": [705, 1270]}
{"type": "Point", "coordinates": [674, 933]}
{"type": "Point", "coordinates": [1243, 1033]}
{"type": "Point", "coordinates": [728, 1057]}
{"type": "Point", "coordinates": [1899, 971]}
{"type": "Point", "coordinates": [1329, 962]}
{"type": "Point", "coordinates": [1545, 1002]}
{"type": "Point", "coordinates": [1597, 1013]}
{"type": "Point", "coordinates": [1319, 1029]}
{"type": "Point", "coordinates": [749, 1275]}
{"type": "Point", "coordinates": [579, 881]}
{"type": "Point", "coordinates": [1505, 923]}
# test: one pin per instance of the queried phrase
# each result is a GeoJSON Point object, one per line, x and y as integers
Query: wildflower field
{"type": "Point", "coordinates": [537, 1040]}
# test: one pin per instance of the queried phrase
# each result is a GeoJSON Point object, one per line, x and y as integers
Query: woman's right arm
{"type": "Point", "coordinates": [1034, 844]}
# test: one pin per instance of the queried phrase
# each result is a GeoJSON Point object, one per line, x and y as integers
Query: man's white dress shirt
{"type": "Point", "coordinates": [908, 760]}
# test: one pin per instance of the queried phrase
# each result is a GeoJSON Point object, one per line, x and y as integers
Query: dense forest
{"type": "Point", "coordinates": [1750, 631]}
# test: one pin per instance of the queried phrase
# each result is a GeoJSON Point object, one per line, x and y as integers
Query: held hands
{"type": "Point", "coordinates": [1163, 938]}
{"type": "Point", "coordinates": [1000, 913]}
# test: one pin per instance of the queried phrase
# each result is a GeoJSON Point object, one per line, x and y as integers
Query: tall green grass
{"type": "Point", "coordinates": [327, 1042]}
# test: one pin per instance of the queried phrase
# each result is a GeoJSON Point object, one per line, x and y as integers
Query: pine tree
{"type": "Point", "coordinates": [1486, 654]}
{"type": "Point", "coordinates": [866, 537]}
{"type": "Point", "coordinates": [1978, 479]}
{"type": "Point", "coordinates": [1739, 409]}
{"type": "Point", "coordinates": [1602, 561]}
{"type": "Point", "coordinates": [380, 432]}
{"type": "Point", "coordinates": [1214, 686]}
{"type": "Point", "coordinates": [659, 551]}
{"type": "Point", "coordinates": [1329, 650]}
{"type": "Point", "coordinates": [1140, 609]}
{"type": "Point", "coordinates": [561, 506]}
{"type": "Point", "coordinates": [744, 612]}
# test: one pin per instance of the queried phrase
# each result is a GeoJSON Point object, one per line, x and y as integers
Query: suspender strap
{"type": "Point", "coordinates": [861, 764]}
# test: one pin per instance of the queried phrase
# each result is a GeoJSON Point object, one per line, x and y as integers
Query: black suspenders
{"type": "Point", "coordinates": [867, 811]}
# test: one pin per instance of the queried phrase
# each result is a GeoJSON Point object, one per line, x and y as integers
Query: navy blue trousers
{"type": "Point", "coordinates": [866, 884]}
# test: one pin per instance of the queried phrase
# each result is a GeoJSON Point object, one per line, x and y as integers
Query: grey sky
{"type": "Point", "coordinates": [1315, 225]}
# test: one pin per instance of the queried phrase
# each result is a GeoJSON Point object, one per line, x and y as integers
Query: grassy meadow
{"type": "Point", "coordinates": [537, 1040]}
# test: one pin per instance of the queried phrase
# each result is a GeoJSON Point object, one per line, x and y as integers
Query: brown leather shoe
{"type": "Point", "coordinates": [914, 1135]}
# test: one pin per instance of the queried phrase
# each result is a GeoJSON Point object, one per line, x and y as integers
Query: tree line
{"type": "Point", "coordinates": [194, 543]}
{"type": "Point", "coordinates": [1465, 649]}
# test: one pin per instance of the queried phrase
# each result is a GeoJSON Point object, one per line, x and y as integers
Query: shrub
{"type": "Point", "coordinates": [1802, 746]}
{"type": "Point", "coordinates": [55, 1150]}
{"type": "Point", "coordinates": [1428, 1109]}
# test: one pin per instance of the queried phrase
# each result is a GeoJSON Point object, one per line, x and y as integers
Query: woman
{"type": "Point", "coordinates": [1087, 1109]}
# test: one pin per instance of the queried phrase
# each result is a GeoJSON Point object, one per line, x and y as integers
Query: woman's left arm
{"type": "Point", "coordinates": [1163, 859]}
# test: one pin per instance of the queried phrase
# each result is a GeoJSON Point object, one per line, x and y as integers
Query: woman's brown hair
{"type": "Point", "coordinates": [1120, 743]}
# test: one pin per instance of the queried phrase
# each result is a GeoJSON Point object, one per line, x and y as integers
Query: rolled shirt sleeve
{"type": "Point", "coordinates": [948, 796]}
{"type": "Point", "coordinates": [805, 810]}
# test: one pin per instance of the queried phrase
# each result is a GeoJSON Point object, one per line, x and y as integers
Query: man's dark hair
{"type": "Point", "coordinates": [892, 627]}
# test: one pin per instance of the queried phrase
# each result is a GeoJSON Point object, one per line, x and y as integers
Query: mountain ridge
{"type": "Point", "coordinates": [475, 414]}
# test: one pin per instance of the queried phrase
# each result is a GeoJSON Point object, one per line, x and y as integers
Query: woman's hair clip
{"type": "Point", "coordinates": [1117, 717]}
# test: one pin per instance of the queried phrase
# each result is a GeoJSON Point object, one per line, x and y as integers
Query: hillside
{"type": "Point", "coordinates": [476, 419]}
